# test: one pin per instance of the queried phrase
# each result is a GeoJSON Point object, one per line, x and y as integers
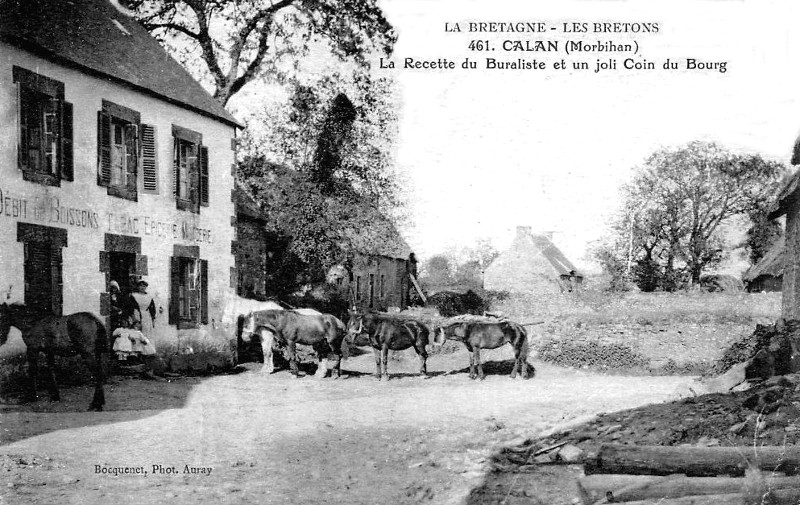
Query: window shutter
{"type": "Point", "coordinates": [103, 149]}
{"type": "Point", "coordinates": [204, 189]}
{"type": "Point", "coordinates": [66, 143]}
{"type": "Point", "coordinates": [174, 287]}
{"type": "Point", "coordinates": [22, 132]}
{"type": "Point", "coordinates": [194, 181]}
{"type": "Point", "coordinates": [175, 171]}
{"type": "Point", "coordinates": [57, 282]}
{"type": "Point", "coordinates": [149, 163]}
{"type": "Point", "coordinates": [204, 291]}
{"type": "Point", "coordinates": [132, 155]}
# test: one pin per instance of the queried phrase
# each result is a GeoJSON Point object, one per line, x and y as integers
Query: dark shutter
{"type": "Point", "coordinates": [56, 281]}
{"type": "Point", "coordinates": [22, 121]}
{"type": "Point", "coordinates": [66, 143]}
{"type": "Point", "coordinates": [194, 180]}
{"type": "Point", "coordinates": [204, 291]}
{"type": "Point", "coordinates": [132, 158]}
{"type": "Point", "coordinates": [39, 277]}
{"type": "Point", "coordinates": [204, 176]}
{"type": "Point", "coordinates": [103, 149]}
{"type": "Point", "coordinates": [149, 164]}
{"type": "Point", "coordinates": [174, 288]}
{"type": "Point", "coordinates": [175, 161]}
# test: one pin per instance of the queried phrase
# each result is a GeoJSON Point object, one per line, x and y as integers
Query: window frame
{"type": "Point", "coordinates": [109, 118]}
{"type": "Point", "coordinates": [182, 293]}
{"type": "Point", "coordinates": [36, 90]}
{"type": "Point", "coordinates": [196, 177]}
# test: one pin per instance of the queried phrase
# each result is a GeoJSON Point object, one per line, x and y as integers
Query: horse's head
{"type": "Point", "coordinates": [355, 326]}
{"type": "Point", "coordinates": [439, 335]}
{"type": "Point", "coordinates": [245, 325]}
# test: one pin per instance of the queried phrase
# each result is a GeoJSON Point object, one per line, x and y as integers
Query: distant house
{"type": "Point", "coordinates": [767, 274]}
{"type": "Point", "coordinates": [381, 267]}
{"type": "Point", "coordinates": [533, 263]}
{"type": "Point", "coordinates": [114, 163]}
{"type": "Point", "coordinates": [377, 277]}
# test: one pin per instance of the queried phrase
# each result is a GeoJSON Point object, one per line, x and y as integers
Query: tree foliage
{"type": "Point", "coordinates": [315, 230]}
{"type": "Point", "coordinates": [674, 209]}
{"type": "Point", "coordinates": [339, 128]}
{"type": "Point", "coordinates": [238, 41]}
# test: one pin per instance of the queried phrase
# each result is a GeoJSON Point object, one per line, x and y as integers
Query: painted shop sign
{"type": "Point", "coordinates": [48, 210]}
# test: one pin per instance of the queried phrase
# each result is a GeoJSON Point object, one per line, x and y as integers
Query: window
{"type": "Point", "coordinates": [189, 300]}
{"type": "Point", "coordinates": [383, 286]}
{"type": "Point", "coordinates": [124, 145]}
{"type": "Point", "coordinates": [190, 182]}
{"type": "Point", "coordinates": [44, 138]}
{"type": "Point", "coordinates": [43, 267]}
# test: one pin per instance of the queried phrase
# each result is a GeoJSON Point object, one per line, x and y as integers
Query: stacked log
{"type": "Point", "coordinates": [639, 475]}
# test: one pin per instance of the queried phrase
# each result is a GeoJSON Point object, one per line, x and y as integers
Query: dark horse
{"type": "Point", "coordinates": [323, 332]}
{"type": "Point", "coordinates": [384, 332]}
{"type": "Point", "coordinates": [80, 333]}
{"type": "Point", "coordinates": [477, 335]}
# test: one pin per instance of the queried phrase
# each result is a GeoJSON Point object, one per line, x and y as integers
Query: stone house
{"type": "Point", "coordinates": [532, 264]}
{"type": "Point", "coordinates": [115, 163]}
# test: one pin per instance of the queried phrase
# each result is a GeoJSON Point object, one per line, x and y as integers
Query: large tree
{"type": "Point", "coordinates": [339, 129]}
{"type": "Point", "coordinates": [238, 41]}
{"type": "Point", "coordinates": [677, 204]}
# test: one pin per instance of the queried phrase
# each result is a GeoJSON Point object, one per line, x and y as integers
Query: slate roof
{"type": "Point", "coordinates": [96, 38]}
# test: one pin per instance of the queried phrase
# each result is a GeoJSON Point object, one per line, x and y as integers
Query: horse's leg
{"type": "Point", "coordinates": [478, 363]}
{"type": "Point", "coordinates": [377, 353]}
{"type": "Point", "coordinates": [51, 366]}
{"type": "Point", "coordinates": [423, 358]}
{"type": "Point", "coordinates": [337, 352]}
{"type": "Point", "coordinates": [385, 361]}
{"type": "Point", "coordinates": [267, 339]}
{"type": "Point", "coordinates": [523, 358]}
{"type": "Point", "coordinates": [33, 374]}
{"type": "Point", "coordinates": [292, 355]}
{"type": "Point", "coordinates": [322, 357]}
{"type": "Point", "coordinates": [96, 364]}
{"type": "Point", "coordinates": [471, 361]}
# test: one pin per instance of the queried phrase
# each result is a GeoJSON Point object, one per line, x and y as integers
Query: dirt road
{"type": "Point", "coordinates": [250, 438]}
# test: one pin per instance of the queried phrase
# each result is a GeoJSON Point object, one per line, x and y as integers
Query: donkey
{"type": "Point", "coordinates": [384, 332]}
{"type": "Point", "coordinates": [82, 333]}
{"type": "Point", "coordinates": [477, 335]}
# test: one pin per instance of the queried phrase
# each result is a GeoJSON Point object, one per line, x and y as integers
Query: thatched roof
{"type": "Point", "coordinates": [771, 264]}
{"type": "Point", "coordinates": [787, 194]}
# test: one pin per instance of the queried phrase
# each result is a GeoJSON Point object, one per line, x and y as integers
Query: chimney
{"type": "Point", "coordinates": [523, 231]}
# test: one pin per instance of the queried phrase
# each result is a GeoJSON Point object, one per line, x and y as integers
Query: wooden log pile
{"type": "Point", "coordinates": [684, 475]}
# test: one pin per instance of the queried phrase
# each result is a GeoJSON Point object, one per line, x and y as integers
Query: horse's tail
{"type": "Point", "coordinates": [102, 345]}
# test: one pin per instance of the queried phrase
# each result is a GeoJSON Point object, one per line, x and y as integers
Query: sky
{"type": "Point", "coordinates": [485, 151]}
